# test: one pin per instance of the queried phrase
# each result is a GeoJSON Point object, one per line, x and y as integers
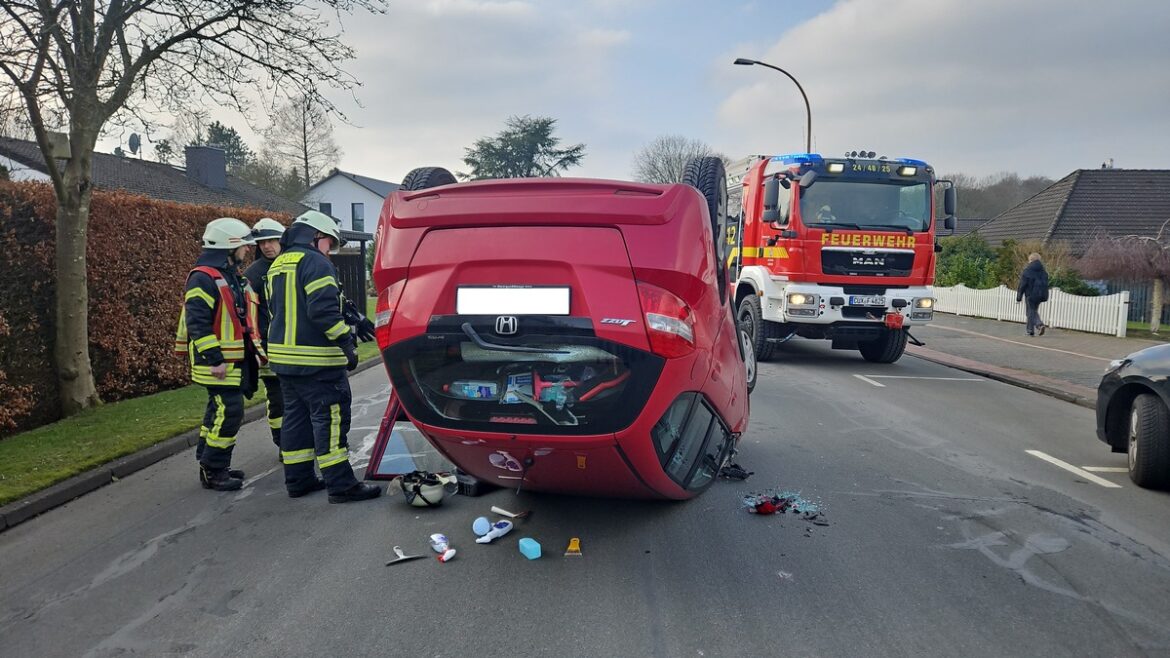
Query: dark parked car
{"type": "Point", "coordinates": [1133, 414]}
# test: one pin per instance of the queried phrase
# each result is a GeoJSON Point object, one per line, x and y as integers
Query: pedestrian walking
{"type": "Point", "coordinates": [218, 333]}
{"type": "Point", "coordinates": [267, 233]}
{"type": "Point", "coordinates": [1033, 289]}
{"type": "Point", "coordinates": [310, 348]}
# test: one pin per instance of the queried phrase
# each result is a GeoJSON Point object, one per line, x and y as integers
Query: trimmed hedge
{"type": "Point", "coordinates": [140, 251]}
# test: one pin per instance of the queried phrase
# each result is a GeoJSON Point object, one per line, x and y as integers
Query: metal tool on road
{"type": "Point", "coordinates": [511, 515]}
{"type": "Point", "coordinates": [402, 557]}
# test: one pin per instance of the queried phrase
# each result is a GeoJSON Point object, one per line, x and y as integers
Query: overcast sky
{"type": "Point", "coordinates": [1036, 86]}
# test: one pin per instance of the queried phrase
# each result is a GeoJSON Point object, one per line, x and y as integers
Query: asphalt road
{"type": "Point", "coordinates": [945, 538]}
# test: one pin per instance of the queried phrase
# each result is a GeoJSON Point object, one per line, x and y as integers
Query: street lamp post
{"type": "Point", "coordinates": [808, 110]}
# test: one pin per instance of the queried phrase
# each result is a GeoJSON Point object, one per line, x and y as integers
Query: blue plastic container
{"type": "Point", "coordinates": [530, 548]}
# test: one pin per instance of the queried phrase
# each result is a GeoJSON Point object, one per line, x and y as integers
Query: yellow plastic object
{"type": "Point", "coordinates": [574, 549]}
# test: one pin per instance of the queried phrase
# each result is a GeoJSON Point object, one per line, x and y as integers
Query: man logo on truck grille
{"type": "Point", "coordinates": [506, 325]}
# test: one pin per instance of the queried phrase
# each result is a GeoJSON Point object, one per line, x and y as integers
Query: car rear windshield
{"type": "Point", "coordinates": [537, 384]}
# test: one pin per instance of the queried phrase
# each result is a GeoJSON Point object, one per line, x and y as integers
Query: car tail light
{"type": "Point", "coordinates": [384, 312]}
{"type": "Point", "coordinates": [670, 325]}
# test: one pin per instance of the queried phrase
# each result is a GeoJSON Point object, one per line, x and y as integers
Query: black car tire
{"type": "Point", "coordinates": [424, 178]}
{"type": "Point", "coordinates": [762, 332]}
{"type": "Point", "coordinates": [887, 348]}
{"type": "Point", "coordinates": [706, 174]}
{"type": "Point", "coordinates": [747, 350]}
{"type": "Point", "coordinates": [1149, 442]}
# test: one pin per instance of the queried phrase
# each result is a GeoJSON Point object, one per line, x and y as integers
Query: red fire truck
{"type": "Point", "coordinates": [835, 248]}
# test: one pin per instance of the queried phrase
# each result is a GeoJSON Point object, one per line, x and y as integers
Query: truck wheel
{"type": "Point", "coordinates": [759, 330]}
{"type": "Point", "coordinates": [707, 175]}
{"type": "Point", "coordinates": [1149, 442]}
{"type": "Point", "coordinates": [748, 350]}
{"type": "Point", "coordinates": [887, 348]}
{"type": "Point", "coordinates": [426, 177]}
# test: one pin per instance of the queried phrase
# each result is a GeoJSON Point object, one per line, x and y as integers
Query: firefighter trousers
{"type": "Point", "coordinates": [221, 423]}
{"type": "Point", "coordinates": [316, 422]}
{"type": "Point", "coordinates": [274, 403]}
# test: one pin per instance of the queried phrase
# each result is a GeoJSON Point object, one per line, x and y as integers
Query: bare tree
{"type": "Point", "coordinates": [1132, 257]}
{"type": "Point", "coordinates": [119, 61]}
{"type": "Point", "coordinates": [301, 136]}
{"type": "Point", "coordinates": [664, 159]}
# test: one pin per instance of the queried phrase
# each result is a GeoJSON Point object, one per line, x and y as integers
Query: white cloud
{"type": "Point", "coordinates": [1037, 87]}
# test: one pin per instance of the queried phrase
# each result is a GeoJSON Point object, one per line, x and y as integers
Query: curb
{"type": "Point", "coordinates": [58, 494]}
{"type": "Point", "coordinates": [1078, 395]}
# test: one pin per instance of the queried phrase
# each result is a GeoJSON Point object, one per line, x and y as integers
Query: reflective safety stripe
{"type": "Point", "coordinates": [305, 355]}
{"type": "Point", "coordinates": [273, 423]}
{"type": "Point", "coordinates": [336, 453]}
{"type": "Point", "coordinates": [764, 252]}
{"type": "Point", "coordinates": [198, 293]}
{"type": "Point", "coordinates": [333, 458]}
{"type": "Point", "coordinates": [213, 438]}
{"type": "Point", "coordinates": [334, 332]}
{"type": "Point", "coordinates": [313, 286]}
{"type": "Point", "coordinates": [206, 343]}
{"type": "Point", "coordinates": [202, 374]}
{"type": "Point", "coordinates": [297, 456]}
{"type": "Point", "coordinates": [203, 431]}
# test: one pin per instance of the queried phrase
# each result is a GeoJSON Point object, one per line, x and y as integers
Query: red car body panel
{"type": "Point", "coordinates": [600, 239]}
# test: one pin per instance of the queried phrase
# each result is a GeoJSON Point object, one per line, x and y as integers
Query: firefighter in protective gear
{"type": "Point", "coordinates": [217, 331]}
{"type": "Point", "coordinates": [267, 234]}
{"type": "Point", "coordinates": [310, 347]}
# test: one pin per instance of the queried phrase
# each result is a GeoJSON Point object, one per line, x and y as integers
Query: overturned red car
{"type": "Point", "coordinates": [563, 335]}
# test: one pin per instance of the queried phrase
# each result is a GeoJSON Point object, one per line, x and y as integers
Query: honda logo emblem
{"type": "Point", "coordinates": [506, 325]}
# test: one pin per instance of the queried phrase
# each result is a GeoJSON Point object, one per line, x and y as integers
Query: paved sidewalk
{"type": "Point", "coordinates": [1065, 364]}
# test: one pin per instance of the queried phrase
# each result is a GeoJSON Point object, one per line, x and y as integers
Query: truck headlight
{"type": "Point", "coordinates": [801, 299]}
{"type": "Point", "coordinates": [924, 302]}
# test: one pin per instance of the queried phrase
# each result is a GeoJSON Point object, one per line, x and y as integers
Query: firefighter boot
{"type": "Point", "coordinates": [359, 491]}
{"type": "Point", "coordinates": [219, 479]}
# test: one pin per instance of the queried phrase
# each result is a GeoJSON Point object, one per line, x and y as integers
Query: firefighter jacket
{"type": "Point", "coordinates": [257, 275]}
{"type": "Point", "coordinates": [218, 322]}
{"type": "Point", "coordinates": [307, 331]}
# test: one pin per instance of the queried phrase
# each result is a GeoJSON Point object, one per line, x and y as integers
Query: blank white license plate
{"type": "Point", "coordinates": [545, 300]}
{"type": "Point", "coordinates": [867, 300]}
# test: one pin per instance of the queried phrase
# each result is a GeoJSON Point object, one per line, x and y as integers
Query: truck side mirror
{"type": "Point", "coordinates": [949, 223]}
{"type": "Point", "coordinates": [950, 200]}
{"type": "Point", "coordinates": [772, 200]}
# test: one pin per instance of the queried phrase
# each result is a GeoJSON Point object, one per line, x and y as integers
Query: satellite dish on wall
{"type": "Point", "coordinates": [135, 142]}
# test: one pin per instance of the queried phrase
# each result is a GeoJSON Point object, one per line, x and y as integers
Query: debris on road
{"type": "Point", "coordinates": [574, 549]}
{"type": "Point", "coordinates": [530, 548]}
{"type": "Point", "coordinates": [481, 526]}
{"type": "Point", "coordinates": [511, 515]}
{"type": "Point", "coordinates": [735, 472]}
{"type": "Point", "coordinates": [440, 543]}
{"type": "Point", "coordinates": [402, 557]}
{"type": "Point", "coordinates": [499, 529]}
{"type": "Point", "coordinates": [784, 502]}
{"type": "Point", "coordinates": [447, 555]}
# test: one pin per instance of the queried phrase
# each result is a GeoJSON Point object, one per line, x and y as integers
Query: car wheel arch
{"type": "Point", "coordinates": [1117, 415]}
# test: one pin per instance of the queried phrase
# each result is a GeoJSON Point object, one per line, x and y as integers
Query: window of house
{"type": "Point", "coordinates": [358, 213]}
{"type": "Point", "coordinates": [326, 208]}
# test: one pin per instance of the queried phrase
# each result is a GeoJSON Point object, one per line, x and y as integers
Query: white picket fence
{"type": "Point", "coordinates": [1106, 314]}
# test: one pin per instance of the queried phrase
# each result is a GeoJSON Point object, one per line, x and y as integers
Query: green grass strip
{"type": "Point", "coordinates": [39, 458]}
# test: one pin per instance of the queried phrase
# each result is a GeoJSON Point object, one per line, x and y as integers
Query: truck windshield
{"type": "Point", "coordinates": [895, 205]}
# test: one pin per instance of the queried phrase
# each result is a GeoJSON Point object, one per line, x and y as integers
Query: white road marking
{"type": "Point", "coordinates": [941, 379]}
{"type": "Point", "coordinates": [870, 381]}
{"type": "Point", "coordinates": [1016, 342]}
{"type": "Point", "coordinates": [249, 481]}
{"type": "Point", "coordinates": [1073, 469]}
{"type": "Point", "coordinates": [1106, 469]}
